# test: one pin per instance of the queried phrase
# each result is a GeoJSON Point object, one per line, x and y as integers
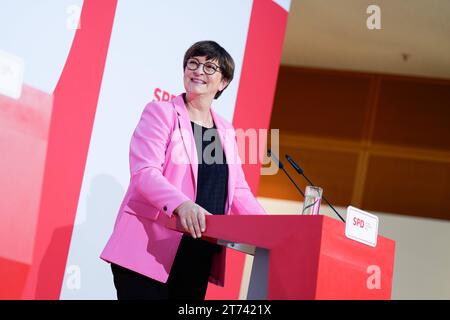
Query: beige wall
{"type": "Point", "coordinates": [422, 259]}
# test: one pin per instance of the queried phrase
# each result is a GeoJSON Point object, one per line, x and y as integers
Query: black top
{"type": "Point", "coordinates": [212, 177]}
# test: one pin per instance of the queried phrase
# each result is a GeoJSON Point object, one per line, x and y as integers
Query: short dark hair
{"type": "Point", "coordinates": [212, 51]}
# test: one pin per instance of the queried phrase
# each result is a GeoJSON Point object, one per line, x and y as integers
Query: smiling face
{"type": "Point", "coordinates": [197, 82]}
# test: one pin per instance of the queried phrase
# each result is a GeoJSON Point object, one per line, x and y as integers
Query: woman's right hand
{"type": "Point", "coordinates": [192, 218]}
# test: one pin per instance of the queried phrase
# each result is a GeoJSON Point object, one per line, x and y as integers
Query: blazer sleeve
{"type": "Point", "coordinates": [244, 202]}
{"type": "Point", "coordinates": [147, 156]}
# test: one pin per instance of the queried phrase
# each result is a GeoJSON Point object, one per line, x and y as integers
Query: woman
{"type": "Point", "coordinates": [174, 171]}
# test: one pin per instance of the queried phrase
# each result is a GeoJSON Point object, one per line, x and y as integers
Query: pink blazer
{"type": "Point", "coordinates": [163, 165]}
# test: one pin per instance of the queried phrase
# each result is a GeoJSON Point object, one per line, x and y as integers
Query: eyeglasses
{"type": "Point", "coordinates": [208, 67]}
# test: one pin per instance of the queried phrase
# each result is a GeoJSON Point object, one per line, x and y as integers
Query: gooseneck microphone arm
{"type": "Point", "coordinates": [300, 171]}
{"type": "Point", "coordinates": [281, 166]}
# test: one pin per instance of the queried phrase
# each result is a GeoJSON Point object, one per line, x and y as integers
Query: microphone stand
{"type": "Point", "coordinates": [281, 166]}
{"type": "Point", "coordinates": [300, 171]}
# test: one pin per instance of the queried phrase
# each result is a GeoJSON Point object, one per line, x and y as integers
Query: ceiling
{"type": "Point", "coordinates": [414, 38]}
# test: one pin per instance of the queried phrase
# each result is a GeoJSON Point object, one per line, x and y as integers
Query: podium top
{"type": "Point", "coordinates": [268, 231]}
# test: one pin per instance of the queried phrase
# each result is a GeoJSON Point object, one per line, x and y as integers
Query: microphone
{"type": "Point", "coordinates": [281, 166]}
{"type": "Point", "coordinates": [300, 171]}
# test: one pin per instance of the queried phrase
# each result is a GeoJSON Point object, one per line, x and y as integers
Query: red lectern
{"type": "Point", "coordinates": [305, 257]}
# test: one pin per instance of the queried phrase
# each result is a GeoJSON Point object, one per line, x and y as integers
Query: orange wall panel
{"type": "Point", "coordinates": [413, 187]}
{"type": "Point", "coordinates": [413, 113]}
{"type": "Point", "coordinates": [315, 103]}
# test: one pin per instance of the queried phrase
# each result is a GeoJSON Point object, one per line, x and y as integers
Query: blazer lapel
{"type": "Point", "coordinates": [187, 136]}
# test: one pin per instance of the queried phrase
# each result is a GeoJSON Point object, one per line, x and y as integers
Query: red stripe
{"type": "Point", "coordinates": [75, 103]}
{"type": "Point", "coordinates": [255, 97]}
